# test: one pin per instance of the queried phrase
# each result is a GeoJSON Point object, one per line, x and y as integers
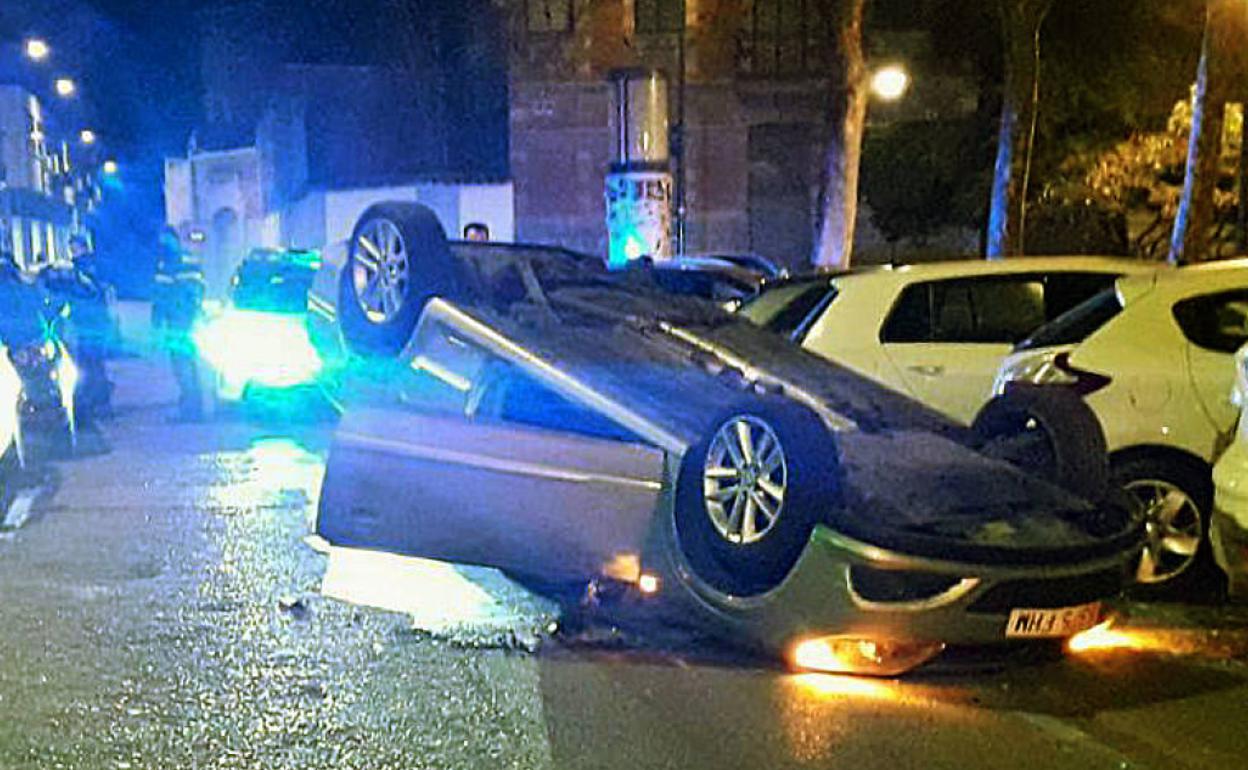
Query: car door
{"type": "Point", "coordinates": [947, 338]}
{"type": "Point", "coordinates": [521, 479]}
{"type": "Point", "coordinates": [1215, 325]}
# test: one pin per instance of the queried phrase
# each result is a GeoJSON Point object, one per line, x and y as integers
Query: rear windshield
{"type": "Point", "coordinates": [787, 309]}
{"type": "Point", "coordinates": [1076, 324]}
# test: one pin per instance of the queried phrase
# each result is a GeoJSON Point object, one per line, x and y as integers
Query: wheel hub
{"type": "Point", "coordinates": [745, 479]}
{"type": "Point", "coordinates": [1173, 529]}
{"type": "Point", "coordinates": [380, 273]}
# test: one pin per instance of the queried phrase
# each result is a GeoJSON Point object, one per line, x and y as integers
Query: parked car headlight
{"type": "Point", "coordinates": [270, 349]}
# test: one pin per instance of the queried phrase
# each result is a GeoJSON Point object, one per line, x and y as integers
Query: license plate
{"type": "Point", "coordinates": [1063, 621]}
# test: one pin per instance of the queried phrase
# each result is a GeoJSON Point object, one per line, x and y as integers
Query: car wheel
{"type": "Point", "coordinates": [1049, 432]}
{"type": "Point", "coordinates": [1176, 497]}
{"type": "Point", "coordinates": [397, 261]}
{"type": "Point", "coordinates": [749, 494]}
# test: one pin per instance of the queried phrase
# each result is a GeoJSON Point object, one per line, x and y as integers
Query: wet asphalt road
{"type": "Point", "coordinates": [160, 609]}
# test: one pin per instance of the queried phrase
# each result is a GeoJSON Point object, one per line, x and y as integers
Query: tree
{"type": "Point", "coordinates": [847, 113]}
{"type": "Point", "coordinates": [1224, 34]}
{"type": "Point", "coordinates": [1142, 178]}
{"type": "Point", "coordinates": [1021, 21]}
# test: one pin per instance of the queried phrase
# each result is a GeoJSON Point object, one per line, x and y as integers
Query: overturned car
{"type": "Point", "coordinates": [565, 424]}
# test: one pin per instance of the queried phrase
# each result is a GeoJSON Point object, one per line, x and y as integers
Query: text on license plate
{"type": "Point", "coordinates": [1063, 621]}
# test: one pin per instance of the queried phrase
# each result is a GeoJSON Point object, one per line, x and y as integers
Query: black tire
{"type": "Point", "coordinates": [432, 271]}
{"type": "Point", "coordinates": [1049, 432]}
{"type": "Point", "coordinates": [812, 489]}
{"type": "Point", "coordinates": [1201, 580]}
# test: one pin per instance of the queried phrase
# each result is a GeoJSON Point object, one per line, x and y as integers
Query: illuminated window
{"type": "Point", "coordinates": [787, 37]}
{"type": "Point", "coordinates": [657, 16]}
{"type": "Point", "coordinates": [549, 15]}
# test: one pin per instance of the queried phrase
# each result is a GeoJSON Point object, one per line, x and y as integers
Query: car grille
{"type": "Point", "coordinates": [880, 585]}
{"type": "Point", "coordinates": [1050, 592]}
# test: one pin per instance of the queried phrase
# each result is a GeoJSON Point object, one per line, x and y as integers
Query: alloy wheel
{"type": "Point", "coordinates": [381, 271]}
{"type": "Point", "coordinates": [745, 479]}
{"type": "Point", "coordinates": [1174, 529]}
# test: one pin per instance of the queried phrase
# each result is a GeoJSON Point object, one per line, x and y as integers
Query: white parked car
{"type": "Point", "coordinates": [1229, 521]}
{"type": "Point", "coordinates": [936, 332]}
{"type": "Point", "coordinates": [1154, 359]}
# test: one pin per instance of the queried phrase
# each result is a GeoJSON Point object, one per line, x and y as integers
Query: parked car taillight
{"type": "Point", "coordinates": [1053, 370]}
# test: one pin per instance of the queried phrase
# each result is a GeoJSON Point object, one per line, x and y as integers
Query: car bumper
{"type": "Point", "coordinates": [819, 599]}
{"type": "Point", "coordinates": [1229, 520]}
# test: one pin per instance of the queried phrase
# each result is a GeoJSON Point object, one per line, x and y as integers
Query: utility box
{"type": "Point", "coordinates": [639, 181]}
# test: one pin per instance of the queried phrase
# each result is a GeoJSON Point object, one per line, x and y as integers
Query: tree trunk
{"type": "Point", "coordinates": [1195, 216]}
{"type": "Point", "coordinates": [847, 114]}
{"type": "Point", "coordinates": [1020, 100]}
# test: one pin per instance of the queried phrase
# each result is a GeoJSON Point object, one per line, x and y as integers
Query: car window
{"type": "Point", "coordinates": [1065, 291]}
{"type": "Point", "coordinates": [1216, 322]}
{"type": "Point", "coordinates": [1076, 324]}
{"type": "Point", "coordinates": [511, 395]}
{"type": "Point", "coordinates": [790, 307]}
{"type": "Point", "coordinates": [997, 309]}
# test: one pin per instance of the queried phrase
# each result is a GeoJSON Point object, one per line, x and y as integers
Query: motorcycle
{"type": "Point", "coordinates": [39, 378]}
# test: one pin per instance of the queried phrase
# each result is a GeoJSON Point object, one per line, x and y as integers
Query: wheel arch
{"type": "Point", "coordinates": [1160, 451]}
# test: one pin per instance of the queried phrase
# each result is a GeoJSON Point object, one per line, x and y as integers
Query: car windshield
{"type": "Point", "coordinates": [1076, 324]}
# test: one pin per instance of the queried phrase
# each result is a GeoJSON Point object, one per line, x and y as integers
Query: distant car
{"type": "Point", "coordinates": [756, 263]}
{"type": "Point", "coordinates": [936, 332]}
{"type": "Point", "coordinates": [713, 278]}
{"type": "Point", "coordinates": [1229, 521]}
{"type": "Point", "coordinates": [260, 338]}
{"type": "Point", "coordinates": [1154, 359]}
{"type": "Point", "coordinates": [566, 424]}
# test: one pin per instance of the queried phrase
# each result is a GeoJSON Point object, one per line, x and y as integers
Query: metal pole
{"type": "Point", "coordinates": [679, 134]}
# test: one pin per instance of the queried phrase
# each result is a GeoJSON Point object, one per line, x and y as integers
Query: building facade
{"type": "Point", "coordinates": [749, 107]}
{"type": "Point", "coordinates": [44, 196]}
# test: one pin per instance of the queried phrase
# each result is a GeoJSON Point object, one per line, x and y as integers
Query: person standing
{"type": "Point", "coordinates": [92, 328]}
{"type": "Point", "coordinates": [176, 306]}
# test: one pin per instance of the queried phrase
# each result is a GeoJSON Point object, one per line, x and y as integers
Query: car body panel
{"type": "Point", "coordinates": [518, 498]}
{"type": "Point", "coordinates": [1163, 390]}
{"type": "Point", "coordinates": [819, 596]}
{"type": "Point", "coordinates": [954, 378]}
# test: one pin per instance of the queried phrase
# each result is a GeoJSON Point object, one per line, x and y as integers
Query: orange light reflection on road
{"type": "Point", "coordinates": [1105, 637]}
{"type": "Point", "coordinates": [828, 686]}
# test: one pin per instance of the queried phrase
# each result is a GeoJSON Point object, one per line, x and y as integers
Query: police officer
{"type": "Point", "coordinates": [176, 305]}
{"type": "Point", "coordinates": [92, 327]}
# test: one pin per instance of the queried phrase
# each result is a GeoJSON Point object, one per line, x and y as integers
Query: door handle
{"type": "Point", "coordinates": [927, 370]}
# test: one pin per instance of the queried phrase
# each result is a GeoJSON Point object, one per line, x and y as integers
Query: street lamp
{"type": "Point", "coordinates": [890, 82]}
{"type": "Point", "coordinates": [86, 136]}
{"type": "Point", "coordinates": [36, 49]}
{"type": "Point", "coordinates": [65, 87]}
{"type": "Point", "coordinates": [109, 168]}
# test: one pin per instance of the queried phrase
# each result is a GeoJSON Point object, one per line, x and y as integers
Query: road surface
{"type": "Point", "coordinates": [160, 608]}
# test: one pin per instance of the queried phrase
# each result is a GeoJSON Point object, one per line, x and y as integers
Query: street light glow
{"type": "Point", "coordinates": [36, 49]}
{"type": "Point", "coordinates": [890, 82]}
{"type": "Point", "coordinates": [87, 136]}
{"type": "Point", "coordinates": [65, 87]}
{"type": "Point", "coordinates": [110, 167]}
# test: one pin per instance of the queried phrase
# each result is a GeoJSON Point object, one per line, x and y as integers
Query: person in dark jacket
{"type": "Point", "coordinates": [22, 305]}
{"type": "Point", "coordinates": [176, 306]}
{"type": "Point", "coordinates": [88, 300]}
